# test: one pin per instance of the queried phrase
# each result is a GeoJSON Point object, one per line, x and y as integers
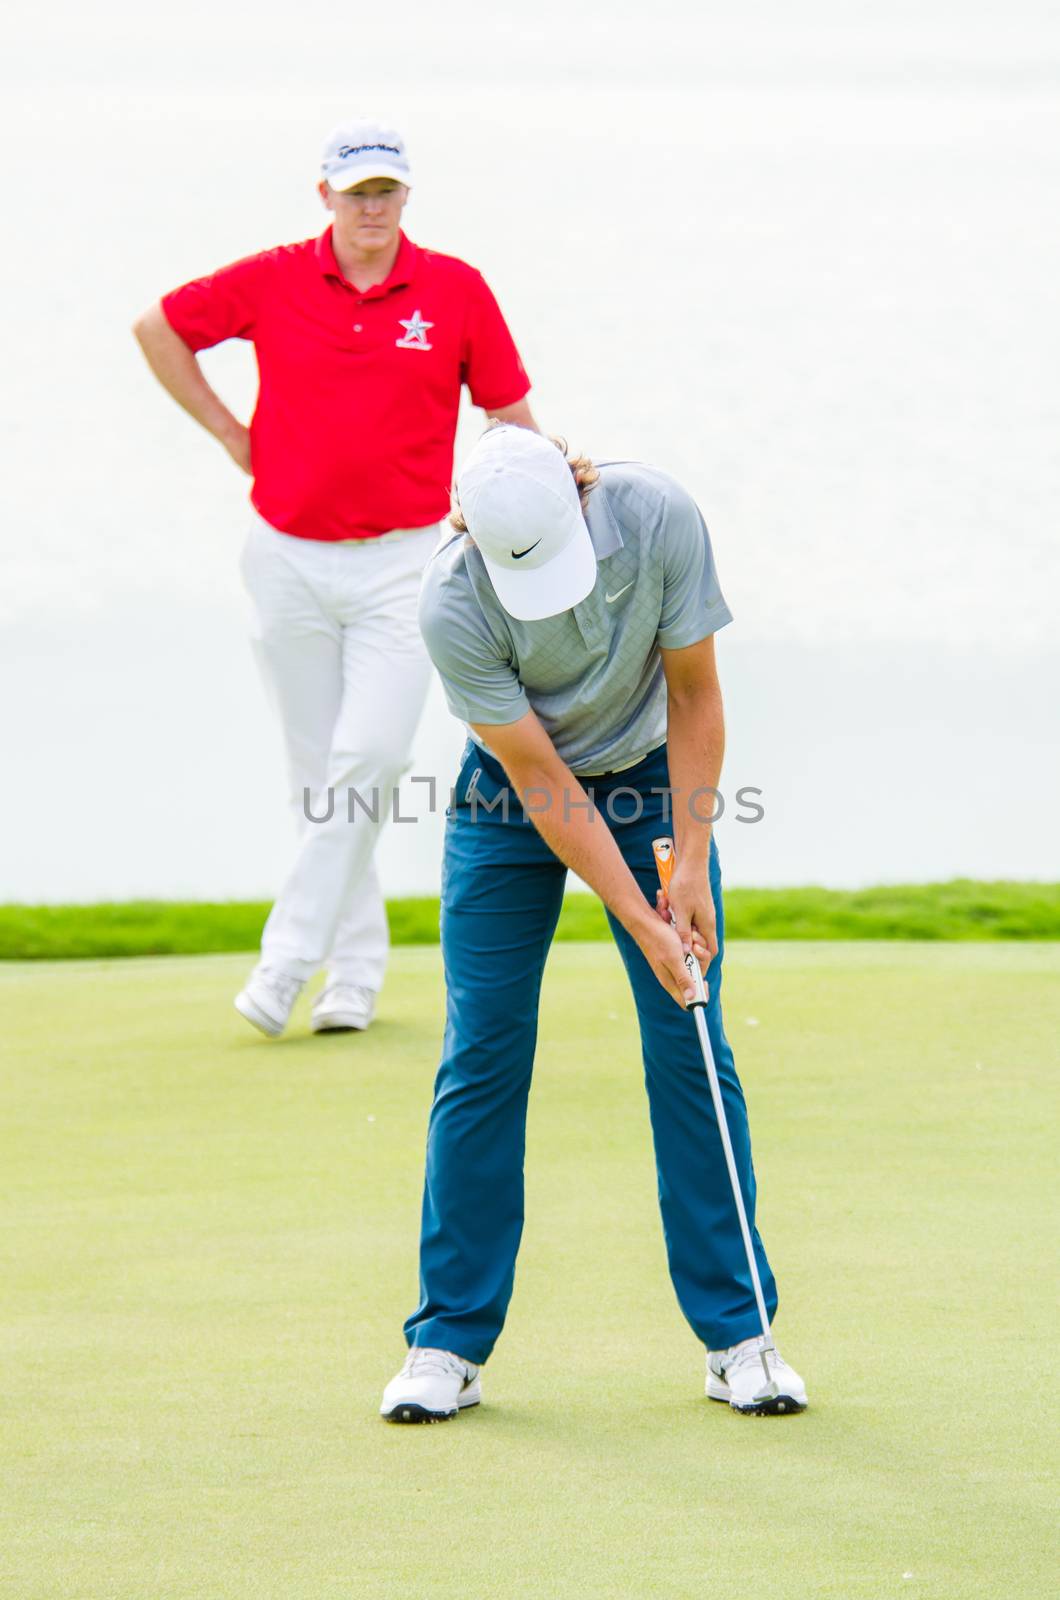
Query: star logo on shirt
{"type": "Point", "coordinates": [415, 333]}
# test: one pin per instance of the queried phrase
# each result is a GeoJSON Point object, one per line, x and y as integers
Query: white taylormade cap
{"type": "Point", "coordinates": [364, 149]}
{"type": "Point", "coordinates": [522, 508]}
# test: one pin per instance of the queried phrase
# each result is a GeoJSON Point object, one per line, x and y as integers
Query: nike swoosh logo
{"type": "Point", "coordinates": [517, 555]}
{"type": "Point", "coordinates": [611, 598]}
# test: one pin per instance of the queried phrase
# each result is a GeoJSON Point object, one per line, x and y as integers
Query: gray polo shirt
{"type": "Point", "coordinates": [593, 674]}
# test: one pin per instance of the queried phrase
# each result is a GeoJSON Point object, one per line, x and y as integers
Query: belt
{"type": "Point", "coordinates": [614, 771]}
{"type": "Point", "coordinates": [392, 537]}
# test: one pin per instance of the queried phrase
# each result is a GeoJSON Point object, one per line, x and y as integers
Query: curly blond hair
{"type": "Point", "coordinates": [586, 476]}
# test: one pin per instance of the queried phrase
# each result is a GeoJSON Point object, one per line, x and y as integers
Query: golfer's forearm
{"type": "Point", "coordinates": [560, 810]}
{"type": "Point", "coordinates": [179, 373]}
{"type": "Point", "coordinates": [519, 413]}
{"type": "Point", "coordinates": [695, 747]}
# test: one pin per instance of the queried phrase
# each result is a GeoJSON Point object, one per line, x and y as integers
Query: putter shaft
{"type": "Point", "coordinates": [664, 860]}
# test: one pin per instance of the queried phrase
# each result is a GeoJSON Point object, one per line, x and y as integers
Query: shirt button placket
{"type": "Point", "coordinates": [591, 624]}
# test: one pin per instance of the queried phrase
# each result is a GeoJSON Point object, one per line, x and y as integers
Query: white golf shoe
{"type": "Point", "coordinates": [432, 1386]}
{"type": "Point", "coordinates": [342, 1006]}
{"type": "Point", "coordinates": [268, 999]}
{"type": "Point", "coordinates": [737, 1376]}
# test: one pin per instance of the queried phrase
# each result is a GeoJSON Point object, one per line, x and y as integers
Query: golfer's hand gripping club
{"type": "Point", "coordinates": [665, 860]}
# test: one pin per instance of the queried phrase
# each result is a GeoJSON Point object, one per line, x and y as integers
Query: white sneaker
{"type": "Point", "coordinates": [340, 1006]}
{"type": "Point", "coordinates": [432, 1386]}
{"type": "Point", "coordinates": [268, 999]}
{"type": "Point", "coordinates": [737, 1375]}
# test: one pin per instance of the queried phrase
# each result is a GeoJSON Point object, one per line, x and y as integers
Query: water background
{"type": "Point", "coordinates": [808, 264]}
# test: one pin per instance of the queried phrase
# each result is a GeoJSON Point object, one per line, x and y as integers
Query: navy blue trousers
{"type": "Point", "coordinates": [502, 889]}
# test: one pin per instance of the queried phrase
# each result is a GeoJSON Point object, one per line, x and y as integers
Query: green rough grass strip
{"type": "Point", "coordinates": [963, 909]}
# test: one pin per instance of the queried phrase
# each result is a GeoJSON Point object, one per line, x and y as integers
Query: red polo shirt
{"type": "Point", "coordinates": [353, 431]}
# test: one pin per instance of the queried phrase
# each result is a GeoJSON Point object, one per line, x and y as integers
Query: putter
{"type": "Point", "coordinates": [665, 859]}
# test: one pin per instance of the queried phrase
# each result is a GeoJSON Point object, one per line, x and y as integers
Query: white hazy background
{"type": "Point", "coordinates": [807, 262]}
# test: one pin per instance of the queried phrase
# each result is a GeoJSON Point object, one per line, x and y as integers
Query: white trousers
{"type": "Point", "coordinates": [339, 647]}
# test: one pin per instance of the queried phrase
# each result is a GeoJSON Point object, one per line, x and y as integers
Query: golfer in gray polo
{"type": "Point", "coordinates": [572, 618]}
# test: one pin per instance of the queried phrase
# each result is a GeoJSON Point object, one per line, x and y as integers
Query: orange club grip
{"type": "Point", "coordinates": [665, 860]}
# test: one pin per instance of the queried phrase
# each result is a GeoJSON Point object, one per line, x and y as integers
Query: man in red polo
{"type": "Point", "coordinates": [363, 342]}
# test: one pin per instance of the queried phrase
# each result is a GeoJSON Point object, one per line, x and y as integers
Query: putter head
{"type": "Point", "coordinates": [769, 1390]}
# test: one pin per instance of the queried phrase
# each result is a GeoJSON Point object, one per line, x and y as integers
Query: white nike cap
{"type": "Point", "coordinates": [522, 508]}
{"type": "Point", "coordinates": [364, 148]}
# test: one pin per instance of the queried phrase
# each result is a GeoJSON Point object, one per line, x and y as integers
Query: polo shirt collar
{"type": "Point", "coordinates": [401, 273]}
{"type": "Point", "coordinates": [603, 529]}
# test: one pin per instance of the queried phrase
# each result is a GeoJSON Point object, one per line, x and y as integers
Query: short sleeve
{"type": "Point", "coordinates": [693, 606]}
{"type": "Point", "coordinates": [224, 305]}
{"type": "Point", "coordinates": [480, 685]}
{"type": "Point", "coordinates": [490, 363]}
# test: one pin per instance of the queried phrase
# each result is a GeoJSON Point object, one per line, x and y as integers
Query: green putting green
{"type": "Point", "coordinates": [210, 1245]}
